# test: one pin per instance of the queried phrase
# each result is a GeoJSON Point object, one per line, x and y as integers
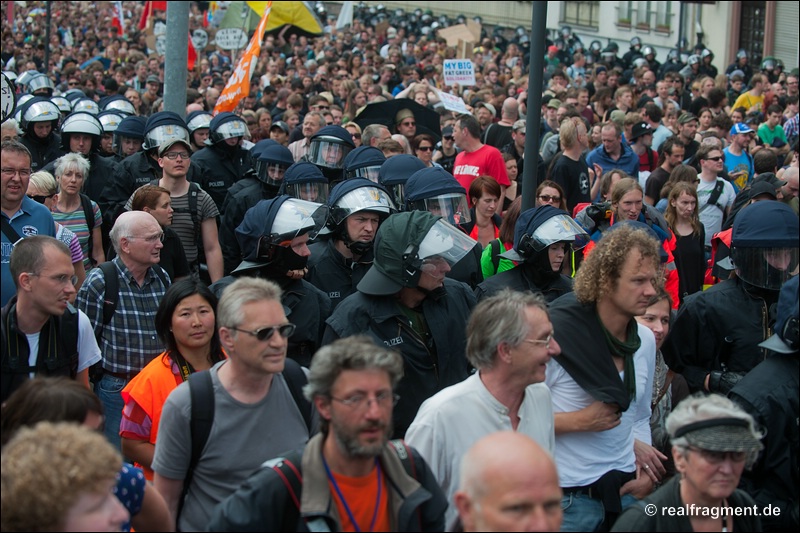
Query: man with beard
{"type": "Point", "coordinates": [274, 239]}
{"type": "Point", "coordinates": [601, 383]}
{"type": "Point", "coordinates": [254, 392]}
{"type": "Point", "coordinates": [353, 477]}
{"type": "Point", "coordinates": [358, 206]}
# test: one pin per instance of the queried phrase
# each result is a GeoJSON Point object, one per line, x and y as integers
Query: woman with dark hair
{"type": "Point", "coordinates": [423, 146]}
{"type": "Point", "coordinates": [156, 201]}
{"type": "Point", "coordinates": [186, 323]}
{"type": "Point", "coordinates": [484, 195]}
{"type": "Point", "coordinates": [550, 193]}
{"type": "Point", "coordinates": [355, 101]}
{"type": "Point", "coordinates": [491, 262]}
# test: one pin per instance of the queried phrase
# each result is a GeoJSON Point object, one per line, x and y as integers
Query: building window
{"type": "Point", "coordinates": [751, 37]}
{"type": "Point", "coordinates": [582, 13]}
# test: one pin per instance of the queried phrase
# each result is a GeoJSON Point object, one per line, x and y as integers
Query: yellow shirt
{"type": "Point", "coordinates": [749, 101]}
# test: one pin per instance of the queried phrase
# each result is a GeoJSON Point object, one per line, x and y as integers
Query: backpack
{"type": "Point", "coordinates": [201, 390]}
{"type": "Point", "coordinates": [194, 190]}
{"type": "Point", "coordinates": [88, 214]}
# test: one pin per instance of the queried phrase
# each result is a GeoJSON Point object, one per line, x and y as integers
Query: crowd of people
{"type": "Point", "coordinates": [288, 318]}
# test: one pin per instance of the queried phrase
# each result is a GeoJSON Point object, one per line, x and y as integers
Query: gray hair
{"type": "Point", "coordinates": [74, 161]}
{"type": "Point", "coordinates": [499, 318]}
{"type": "Point", "coordinates": [11, 124]}
{"type": "Point", "coordinates": [699, 407]}
{"type": "Point", "coordinates": [44, 182]}
{"type": "Point", "coordinates": [358, 352]}
{"type": "Point", "coordinates": [241, 292]}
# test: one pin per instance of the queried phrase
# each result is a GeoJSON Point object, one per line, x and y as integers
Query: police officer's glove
{"type": "Point", "coordinates": [722, 382]}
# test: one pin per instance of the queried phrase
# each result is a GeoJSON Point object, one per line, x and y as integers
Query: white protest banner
{"type": "Point", "coordinates": [231, 38]}
{"type": "Point", "coordinates": [460, 71]}
{"type": "Point", "coordinates": [452, 102]}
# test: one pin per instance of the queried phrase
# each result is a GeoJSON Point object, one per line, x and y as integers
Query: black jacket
{"type": "Point", "coordinates": [101, 172]}
{"type": "Point", "coordinates": [263, 503]}
{"type": "Point", "coordinates": [242, 196]}
{"type": "Point", "coordinates": [332, 273]}
{"type": "Point", "coordinates": [519, 280]}
{"type": "Point", "coordinates": [770, 394]}
{"type": "Point", "coordinates": [218, 170]}
{"type": "Point", "coordinates": [428, 367]}
{"type": "Point", "coordinates": [42, 151]}
{"type": "Point", "coordinates": [718, 329]}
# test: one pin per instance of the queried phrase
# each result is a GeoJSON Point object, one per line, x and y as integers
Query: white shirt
{"type": "Point", "coordinates": [88, 352]}
{"type": "Point", "coordinates": [711, 216]}
{"type": "Point", "coordinates": [582, 457]}
{"type": "Point", "coordinates": [451, 421]}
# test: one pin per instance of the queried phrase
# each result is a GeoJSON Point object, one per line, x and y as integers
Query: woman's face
{"type": "Point", "coordinates": [656, 318]}
{"type": "Point", "coordinates": [486, 206]}
{"type": "Point", "coordinates": [707, 476]}
{"type": "Point", "coordinates": [596, 136]}
{"type": "Point", "coordinates": [511, 169]}
{"type": "Point", "coordinates": [71, 181]}
{"type": "Point", "coordinates": [684, 205]}
{"type": "Point", "coordinates": [556, 253]}
{"type": "Point", "coordinates": [193, 322]}
{"type": "Point", "coordinates": [162, 212]}
{"type": "Point", "coordinates": [293, 121]}
{"type": "Point", "coordinates": [549, 196]}
{"type": "Point", "coordinates": [265, 121]}
{"type": "Point", "coordinates": [425, 151]}
{"type": "Point", "coordinates": [705, 120]}
{"type": "Point", "coordinates": [421, 98]}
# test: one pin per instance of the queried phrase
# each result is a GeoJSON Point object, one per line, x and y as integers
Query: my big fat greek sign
{"type": "Point", "coordinates": [460, 71]}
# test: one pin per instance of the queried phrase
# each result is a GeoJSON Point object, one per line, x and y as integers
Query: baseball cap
{"type": "Point", "coordinates": [166, 145]}
{"type": "Point", "coordinates": [447, 131]}
{"type": "Point", "coordinates": [763, 187]}
{"type": "Point", "coordinates": [152, 78]}
{"type": "Point", "coordinates": [785, 338]}
{"type": "Point", "coordinates": [639, 129]}
{"type": "Point", "coordinates": [686, 117]}
{"type": "Point", "coordinates": [488, 106]}
{"type": "Point", "coordinates": [280, 124]}
{"type": "Point", "coordinates": [554, 103]}
{"type": "Point", "coordinates": [552, 48]}
{"type": "Point", "coordinates": [519, 126]}
{"type": "Point", "coordinates": [740, 128]}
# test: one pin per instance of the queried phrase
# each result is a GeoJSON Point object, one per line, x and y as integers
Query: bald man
{"type": "Point", "coordinates": [508, 483]}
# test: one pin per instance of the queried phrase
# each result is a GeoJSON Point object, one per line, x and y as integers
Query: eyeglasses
{"type": "Point", "coordinates": [546, 198]}
{"type": "Point", "coordinates": [9, 172]}
{"type": "Point", "coordinates": [408, 124]}
{"type": "Point", "coordinates": [61, 279]}
{"type": "Point", "coordinates": [361, 402]}
{"type": "Point", "coordinates": [40, 198]}
{"type": "Point", "coordinates": [152, 239]}
{"type": "Point", "coordinates": [544, 342]}
{"type": "Point", "coordinates": [716, 458]}
{"type": "Point", "coordinates": [425, 148]}
{"type": "Point", "coordinates": [356, 136]}
{"type": "Point", "coordinates": [172, 156]}
{"type": "Point", "coordinates": [718, 158]}
{"type": "Point", "coordinates": [448, 137]}
{"type": "Point", "coordinates": [262, 334]}
{"type": "Point", "coordinates": [72, 83]}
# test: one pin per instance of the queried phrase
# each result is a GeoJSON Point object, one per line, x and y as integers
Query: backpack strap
{"type": "Point", "coordinates": [201, 390]}
{"type": "Point", "coordinates": [403, 452]}
{"type": "Point", "coordinates": [495, 254]}
{"type": "Point", "coordinates": [68, 329]}
{"type": "Point", "coordinates": [713, 200]}
{"type": "Point", "coordinates": [109, 270]}
{"type": "Point", "coordinates": [88, 214]}
{"type": "Point", "coordinates": [296, 379]}
{"type": "Point", "coordinates": [10, 232]}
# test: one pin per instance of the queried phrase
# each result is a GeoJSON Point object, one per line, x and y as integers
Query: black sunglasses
{"type": "Point", "coordinates": [262, 334]}
{"type": "Point", "coordinates": [40, 198]}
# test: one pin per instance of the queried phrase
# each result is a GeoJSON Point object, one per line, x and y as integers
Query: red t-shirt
{"type": "Point", "coordinates": [361, 494]}
{"type": "Point", "coordinates": [485, 161]}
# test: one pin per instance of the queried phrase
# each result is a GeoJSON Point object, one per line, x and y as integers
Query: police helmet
{"type": "Point", "coordinates": [39, 109]}
{"type": "Point", "coordinates": [164, 126]}
{"type": "Point", "coordinates": [435, 190]}
{"type": "Point", "coordinates": [364, 162]}
{"type": "Point", "coordinates": [86, 105]}
{"type": "Point", "coordinates": [41, 85]}
{"type": "Point", "coordinates": [226, 126]}
{"type": "Point", "coordinates": [271, 164]}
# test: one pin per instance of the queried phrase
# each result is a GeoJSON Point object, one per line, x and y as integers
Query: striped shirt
{"type": "Point", "coordinates": [75, 221]}
{"type": "Point", "coordinates": [130, 340]}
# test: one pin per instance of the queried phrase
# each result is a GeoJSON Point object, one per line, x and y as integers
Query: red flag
{"type": "Point", "coordinates": [149, 8]}
{"type": "Point", "coordinates": [192, 57]}
{"type": "Point", "coordinates": [119, 19]}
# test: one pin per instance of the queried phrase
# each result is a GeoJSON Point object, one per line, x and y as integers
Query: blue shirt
{"type": "Point", "coordinates": [32, 219]}
{"type": "Point", "coordinates": [628, 161]}
{"type": "Point", "coordinates": [739, 163]}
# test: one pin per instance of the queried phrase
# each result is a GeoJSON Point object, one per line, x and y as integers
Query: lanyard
{"type": "Point", "coordinates": [344, 502]}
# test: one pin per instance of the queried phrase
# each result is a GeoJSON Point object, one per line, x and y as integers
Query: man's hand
{"type": "Point", "coordinates": [600, 416]}
{"type": "Point", "coordinates": [639, 488]}
{"type": "Point", "coordinates": [722, 382]}
{"type": "Point", "coordinates": [649, 460]}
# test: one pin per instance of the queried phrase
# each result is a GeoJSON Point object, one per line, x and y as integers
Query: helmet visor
{"type": "Point", "coordinates": [370, 173]}
{"type": "Point", "coordinates": [451, 206]}
{"type": "Point", "coordinates": [362, 199]}
{"type": "Point", "coordinates": [312, 192]}
{"type": "Point", "coordinates": [444, 242]}
{"type": "Point", "coordinates": [328, 153]}
{"type": "Point", "coordinates": [559, 228]}
{"type": "Point", "coordinates": [296, 217]}
{"type": "Point", "coordinates": [167, 132]}
{"type": "Point", "coordinates": [768, 268]}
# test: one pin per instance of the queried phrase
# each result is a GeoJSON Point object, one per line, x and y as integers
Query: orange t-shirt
{"type": "Point", "coordinates": [361, 493]}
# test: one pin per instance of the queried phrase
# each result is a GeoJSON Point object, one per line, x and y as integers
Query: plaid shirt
{"type": "Point", "coordinates": [129, 341]}
{"type": "Point", "coordinates": [790, 128]}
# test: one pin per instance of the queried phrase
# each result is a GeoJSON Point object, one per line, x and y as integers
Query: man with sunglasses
{"type": "Point", "coordinates": [42, 334]}
{"type": "Point", "coordinates": [256, 412]}
{"type": "Point", "coordinates": [715, 194]}
{"type": "Point", "coordinates": [128, 337]}
{"type": "Point", "coordinates": [509, 341]}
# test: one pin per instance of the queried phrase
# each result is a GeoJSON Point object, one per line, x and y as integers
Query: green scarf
{"type": "Point", "coordinates": [625, 350]}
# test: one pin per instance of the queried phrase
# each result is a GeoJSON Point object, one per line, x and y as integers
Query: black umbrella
{"type": "Point", "coordinates": [385, 113]}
